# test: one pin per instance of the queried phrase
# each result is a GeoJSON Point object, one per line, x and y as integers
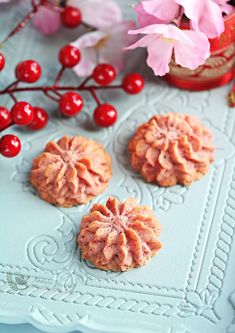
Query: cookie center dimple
{"type": "Point", "coordinates": [169, 134]}
{"type": "Point", "coordinates": [69, 157]}
{"type": "Point", "coordinates": [119, 222]}
{"type": "Point", "coordinates": [172, 132]}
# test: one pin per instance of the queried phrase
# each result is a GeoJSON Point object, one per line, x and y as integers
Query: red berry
{"type": "Point", "coordinates": [40, 119]}
{"type": "Point", "coordinates": [28, 71]}
{"type": "Point", "coordinates": [133, 83]}
{"type": "Point", "coordinates": [5, 118]}
{"type": "Point", "coordinates": [105, 115]}
{"type": "Point", "coordinates": [104, 74]}
{"type": "Point", "coordinates": [22, 113]}
{"type": "Point", "coordinates": [2, 62]}
{"type": "Point", "coordinates": [10, 145]}
{"type": "Point", "coordinates": [71, 103]}
{"type": "Point", "coordinates": [71, 17]}
{"type": "Point", "coordinates": [69, 56]}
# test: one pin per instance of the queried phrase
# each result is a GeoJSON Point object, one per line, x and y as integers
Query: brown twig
{"type": "Point", "coordinates": [58, 88]}
{"type": "Point", "coordinates": [93, 93]}
{"type": "Point", "coordinates": [47, 90]}
{"type": "Point", "coordinates": [59, 77]}
{"type": "Point", "coordinates": [22, 24]}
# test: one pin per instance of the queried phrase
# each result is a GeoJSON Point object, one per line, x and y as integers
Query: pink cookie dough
{"type": "Point", "coordinates": [71, 172]}
{"type": "Point", "coordinates": [119, 236]}
{"type": "Point", "coordinates": [172, 149]}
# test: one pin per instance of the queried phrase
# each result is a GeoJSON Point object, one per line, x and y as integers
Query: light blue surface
{"type": "Point", "coordinates": [187, 288]}
{"type": "Point", "coordinates": [18, 329]}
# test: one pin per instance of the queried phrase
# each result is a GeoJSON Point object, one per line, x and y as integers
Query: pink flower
{"type": "Point", "coordinates": [103, 46]}
{"type": "Point", "coordinates": [47, 21]}
{"type": "Point", "coordinates": [205, 15]}
{"type": "Point", "coordinates": [190, 48]}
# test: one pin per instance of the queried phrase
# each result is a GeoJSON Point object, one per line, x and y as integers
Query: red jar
{"type": "Point", "coordinates": [218, 70]}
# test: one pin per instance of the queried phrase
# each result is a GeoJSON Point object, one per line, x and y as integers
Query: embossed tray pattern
{"type": "Point", "coordinates": [188, 287]}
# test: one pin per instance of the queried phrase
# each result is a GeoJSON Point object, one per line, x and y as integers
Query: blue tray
{"type": "Point", "coordinates": [188, 287]}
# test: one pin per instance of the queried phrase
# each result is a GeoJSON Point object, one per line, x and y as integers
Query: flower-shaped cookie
{"type": "Point", "coordinates": [71, 171]}
{"type": "Point", "coordinates": [119, 236]}
{"type": "Point", "coordinates": [170, 149]}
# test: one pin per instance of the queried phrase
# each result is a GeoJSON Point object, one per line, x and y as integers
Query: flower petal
{"type": "Point", "coordinates": [166, 10]}
{"type": "Point", "coordinates": [89, 39]}
{"type": "Point", "coordinates": [150, 29]}
{"type": "Point", "coordinates": [228, 9]}
{"type": "Point", "coordinates": [211, 22]}
{"type": "Point", "coordinates": [144, 18]}
{"type": "Point", "coordinates": [192, 56]}
{"type": "Point", "coordinates": [159, 56]}
{"type": "Point", "coordinates": [105, 13]}
{"type": "Point", "coordinates": [168, 31]}
{"type": "Point", "coordinates": [87, 63]}
{"type": "Point", "coordinates": [206, 16]}
{"type": "Point", "coordinates": [112, 56]}
{"type": "Point", "coordinates": [143, 42]}
{"type": "Point", "coordinates": [47, 21]}
{"type": "Point", "coordinates": [118, 39]}
{"type": "Point", "coordinates": [225, 7]}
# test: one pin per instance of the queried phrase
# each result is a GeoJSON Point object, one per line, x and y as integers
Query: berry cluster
{"type": "Point", "coordinates": [21, 114]}
{"type": "Point", "coordinates": [70, 102]}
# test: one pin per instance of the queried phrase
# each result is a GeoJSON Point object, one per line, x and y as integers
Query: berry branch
{"type": "Point", "coordinates": [68, 97]}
